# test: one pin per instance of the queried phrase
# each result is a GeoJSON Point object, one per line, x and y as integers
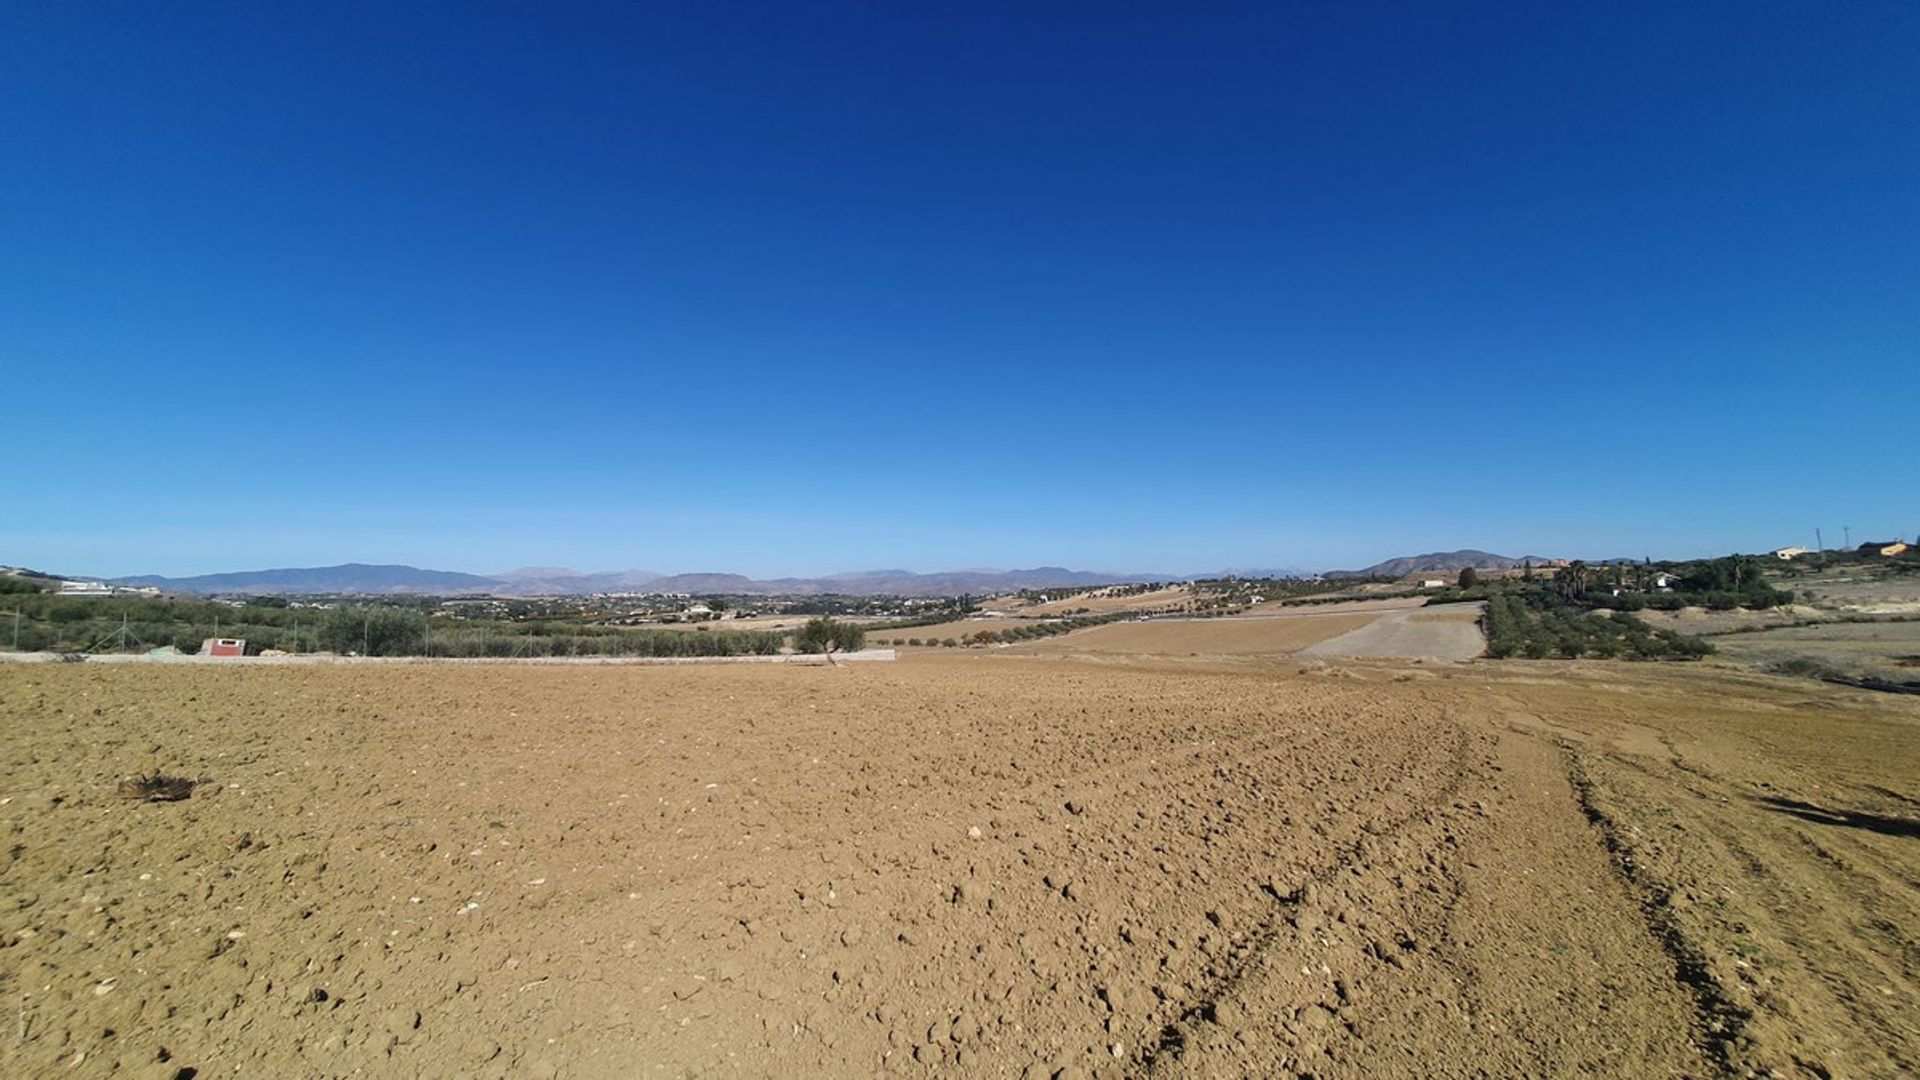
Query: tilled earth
{"type": "Point", "coordinates": [971, 865]}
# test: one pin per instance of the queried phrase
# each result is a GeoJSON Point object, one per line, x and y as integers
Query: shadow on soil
{"type": "Point", "coordinates": [1806, 811]}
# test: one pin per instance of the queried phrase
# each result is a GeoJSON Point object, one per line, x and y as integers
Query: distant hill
{"type": "Point", "coordinates": [360, 579]}
{"type": "Point", "coordinates": [1451, 561]}
{"type": "Point", "coordinates": [706, 583]}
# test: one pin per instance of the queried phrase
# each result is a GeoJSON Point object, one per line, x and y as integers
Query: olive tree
{"type": "Point", "coordinates": [828, 635]}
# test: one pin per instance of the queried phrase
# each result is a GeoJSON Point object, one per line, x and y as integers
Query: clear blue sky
{"type": "Point", "coordinates": [805, 289]}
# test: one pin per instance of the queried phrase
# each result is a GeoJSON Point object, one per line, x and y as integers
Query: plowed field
{"type": "Point", "coordinates": [980, 865]}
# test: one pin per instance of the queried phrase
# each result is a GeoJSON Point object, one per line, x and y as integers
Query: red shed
{"type": "Point", "coordinates": [224, 646]}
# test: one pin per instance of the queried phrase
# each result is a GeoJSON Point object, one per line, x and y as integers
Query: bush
{"type": "Point", "coordinates": [1805, 667]}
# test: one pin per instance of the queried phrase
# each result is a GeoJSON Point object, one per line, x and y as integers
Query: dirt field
{"type": "Point", "coordinates": [980, 865]}
{"type": "Point", "coordinates": [1444, 632]}
{"type": "Point", "coordinates": [1880, 650]}
{"type": "Point", "coordinates": [1203, 637]}
{"type": "Point", "coordinates": [1860, 590]}
{"type": "Point", "coordinates": [1381, 629]}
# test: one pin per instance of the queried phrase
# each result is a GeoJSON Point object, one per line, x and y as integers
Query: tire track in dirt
{"type": "Point", "coordinates": [1246, 974]}
{"type": "Point", "coordinates": [1788, 946]}
{"type": "Point", "coordinates": [1720, 1022]}
{"type": "Point", "coordinates": [1409, 952]}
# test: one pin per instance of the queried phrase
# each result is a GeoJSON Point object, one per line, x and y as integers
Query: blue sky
{"type": "Point", "coordinates": [802, 289]}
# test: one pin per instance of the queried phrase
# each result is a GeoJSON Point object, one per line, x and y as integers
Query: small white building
{"type": "Point", "coordinates": [1790, 552]}
{"type": "Point", "coordinates": [85, 588]}
{"type": "Point", "coordinates": [1433, 583]}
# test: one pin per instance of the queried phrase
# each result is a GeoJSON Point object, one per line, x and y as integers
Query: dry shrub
{"type": "Point", "coordinates": [157, 788]}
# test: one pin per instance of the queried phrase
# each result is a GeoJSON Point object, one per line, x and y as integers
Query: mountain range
{"type": "Point", "coordinates": [375, 580]}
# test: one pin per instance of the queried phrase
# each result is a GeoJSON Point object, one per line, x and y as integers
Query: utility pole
{"type": "Point", "coordinates": [16, 629]}
{"type": "Point", "coordinates": [1819, 541]}
{"type": "Point", "coordinates": [366, 635]}
{"type": "Point", "coordinates": [296, 636]}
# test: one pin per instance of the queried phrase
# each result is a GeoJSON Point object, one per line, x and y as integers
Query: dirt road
{"type": "Point", "coordinates": [984, 865]}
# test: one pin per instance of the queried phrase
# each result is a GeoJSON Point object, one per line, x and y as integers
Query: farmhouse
{"type": "Point", "coordinates": [1790, 553]}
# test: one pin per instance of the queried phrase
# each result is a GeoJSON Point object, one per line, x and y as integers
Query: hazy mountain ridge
{"type": "Point", "coordinates": [346, 577]}
{"type": "Point", "coordinates": [397, 579]}
{"type": "Point", "coordinates": [394, 579]}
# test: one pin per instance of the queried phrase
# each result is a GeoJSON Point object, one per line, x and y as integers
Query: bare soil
{"type": "Point", "coordinates": [979, 865]}
{"type": "Point", "coordinates": [1227, 636]}
{"type": "Point", "coordinates": [1442, 632]}
{"type": "Point", "coordinates": [1880, 650]}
